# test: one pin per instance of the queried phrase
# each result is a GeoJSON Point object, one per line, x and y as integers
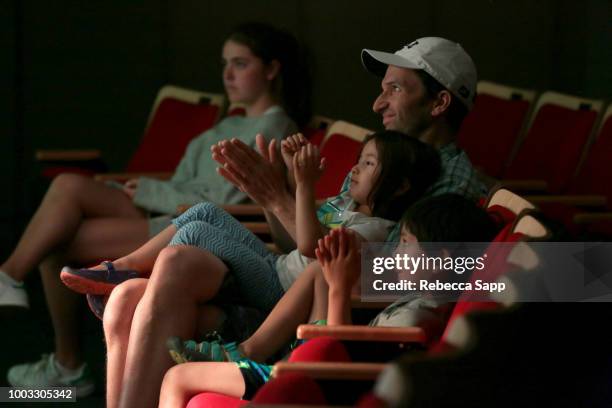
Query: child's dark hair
{"type": "Point", "coordinates": [269, 44]}
{"type": "Point", "coordinates": [449, 218]}
{"type": "Point", "coordinates": [408, 167]}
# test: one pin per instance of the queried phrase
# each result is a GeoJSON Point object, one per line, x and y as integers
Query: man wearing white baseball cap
{"type": "Point", "coordinates": [428, 88]}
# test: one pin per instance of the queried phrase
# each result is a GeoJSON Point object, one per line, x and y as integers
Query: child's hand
{"type": "Point", "coordinates": [307, 165]}
{"type": "Point", "coordinates": [339, 254]}
{"type": "Point", "coordinates": [291, 145]}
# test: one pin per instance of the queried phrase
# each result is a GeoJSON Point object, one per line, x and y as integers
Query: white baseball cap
{"type": "Point", "coordinates": [444, 60]}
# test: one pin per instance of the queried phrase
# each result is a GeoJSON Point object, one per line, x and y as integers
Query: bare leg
{"type": "Point", "coordinates": [184, 381]}
{"type": "Point", "coordinates": [182, 277]}
{"type": "Point", "coordinates": [279, 327]}
{"type": "Point", "coordinates": [62, 303]}
{"type": "Point", "coordinates": [69, 200]}
{"type": "Point", "coordinates": [117, 323]}
{"type": "Point", "coordinates": [96, 239]}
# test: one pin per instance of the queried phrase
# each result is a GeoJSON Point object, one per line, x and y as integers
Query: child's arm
{"type": "Point", "coordinates": [289, 147]}
{"type": "Point", "coordinates": [307, 168]}
{"type": "Point", "coordinates": [339, 255]}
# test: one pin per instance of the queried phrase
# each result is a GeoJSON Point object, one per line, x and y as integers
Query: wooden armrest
{"type": "Point", "coordinates": [590, 218]}
{"type": "Point", "coordinates": [244, 209]}
{"type": "Point", "coordinates": [257, 227]}
{"type": "Point", "coordinates": [576, 200]}
{"type": "Point", "coordinates": [68, 155]}
{"type": "Point", "coordinates": [357, 303]}
{"type": "Point", "coordinates": [331, 371]}
{"type": "Point", "coordinates": [524, 185]}
{"type": "Point", "coordinates": [122, 177]}
{"type": "Point", "coordinates": [363, 333]}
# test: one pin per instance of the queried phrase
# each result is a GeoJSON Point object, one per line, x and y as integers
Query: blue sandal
{"type": "Point", "coordinates": [213, 348]}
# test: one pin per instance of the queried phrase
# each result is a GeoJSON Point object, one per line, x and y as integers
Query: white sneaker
{"type": "Point", "coordinates": [12, 293]}
{"type": "Point", "coordinates": [45, 373]}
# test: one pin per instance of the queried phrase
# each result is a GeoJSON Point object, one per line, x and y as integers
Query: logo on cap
{"type": "Point", "coordinates": [412, 44]}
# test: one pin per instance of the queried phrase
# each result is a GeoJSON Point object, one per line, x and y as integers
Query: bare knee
{"type": "Point", "coordinates": [174, 379]}
{"type": "Point", "coordinates": [120, 307]}
{"type": "Point", "coordinates": [172, 270]}
{"type": "Point", "coordinates": [170, 278]}
{"type": "Point", "coordinates": [69, 184]}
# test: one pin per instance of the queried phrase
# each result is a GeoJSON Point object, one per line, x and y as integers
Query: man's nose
{"type": "Point", "coordinates": [380, 104]}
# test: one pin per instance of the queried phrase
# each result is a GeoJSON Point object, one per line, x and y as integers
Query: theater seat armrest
{"type": "Point", "coordinates": [331, 371]}
{"type": "Point", "coordinates": [363, 333]}
{"type": "Point", "coordinates": [67, 155]}
{"type": "Point", "coordinates": [123, 177]}
{"type": "Point", "coordinates": [244, 209]}
{"type": "Point", "coordinates": [524, 185]}
{"type": "Point", "coordinates": [574, 200]}
{"type": "Point", "coordinates": [590, 218]}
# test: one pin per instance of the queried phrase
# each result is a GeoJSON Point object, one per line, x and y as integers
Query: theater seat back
{"type": "Point", "coordinates": [492, 128]}
{"type": "Point", "coordinates": [555, 141]}
{"type": "Point", "coordinates": [173, 125]}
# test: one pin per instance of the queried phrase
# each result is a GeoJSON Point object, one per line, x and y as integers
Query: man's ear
{"type": "Point", "coordinates": [272, 70]}
{"type": "Point", "coordinates": [441, 103]}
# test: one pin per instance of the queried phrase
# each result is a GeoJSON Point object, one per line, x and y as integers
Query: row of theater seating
{"type": "Point", "coordinates": [486, 341]}
{"type": "Point", "coordinates": [556, 146]}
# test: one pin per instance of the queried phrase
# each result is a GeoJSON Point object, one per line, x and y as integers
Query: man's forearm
{"type": "Point", "coordinates": [283, 210]}
{"type": "Point", "coordinates": [280, 236]}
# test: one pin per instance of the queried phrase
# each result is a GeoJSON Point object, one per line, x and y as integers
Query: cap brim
{"type": "Point", "coordinates": [377, 61]}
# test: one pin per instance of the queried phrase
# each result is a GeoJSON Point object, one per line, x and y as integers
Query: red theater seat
{"type": "Point", "coordinates": [492, 128]}
{"type": "Point", "coordinates": [555, 140]}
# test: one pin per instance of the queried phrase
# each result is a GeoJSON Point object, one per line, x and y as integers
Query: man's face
{"type": "Point", "coordinates": [403, 103]}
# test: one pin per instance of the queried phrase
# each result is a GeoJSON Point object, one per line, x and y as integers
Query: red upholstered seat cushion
{"type": "Point", "coordinates": [490, 130]}
{"type": "Point", "coordinates": [291, 388]}
{"type": "Point", "coordinates": [341, 153]}
{"type": "Point", "coordinates": [320, 349]}
{"type": "Point", "coordinates": [174, 124]}
{"type": "Point", "coordinates": [553, 146]}
{"type": "Point", "coordinates": [211, 399]}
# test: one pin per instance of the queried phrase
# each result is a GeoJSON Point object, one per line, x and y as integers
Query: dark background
{"type": "Point", "coordinates": [83, 74]}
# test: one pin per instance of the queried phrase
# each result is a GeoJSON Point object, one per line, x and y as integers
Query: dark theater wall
{"type": "Point", "coordinates": [84, 73]}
